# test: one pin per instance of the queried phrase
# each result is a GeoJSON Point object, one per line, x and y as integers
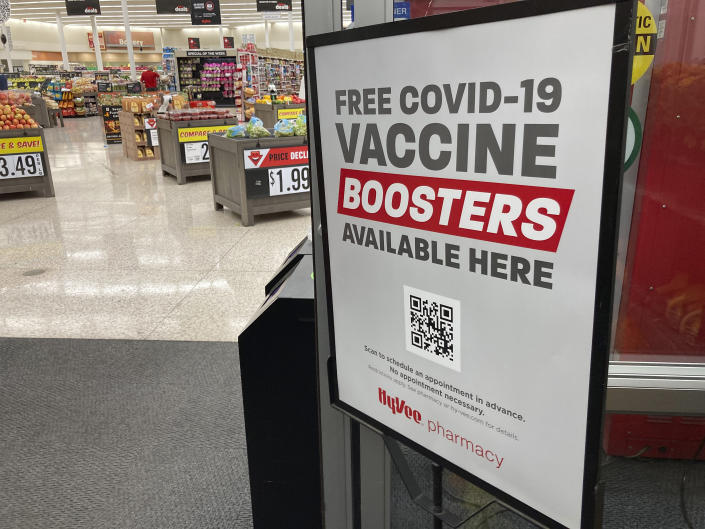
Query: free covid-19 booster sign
{"type": "Point", "coordinates": [462, 168]}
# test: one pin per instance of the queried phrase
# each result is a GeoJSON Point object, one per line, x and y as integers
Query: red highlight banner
{"type": "Point", "coordinates": [518, 215]}
{"type": "Point", "coordinates": [276, 157]}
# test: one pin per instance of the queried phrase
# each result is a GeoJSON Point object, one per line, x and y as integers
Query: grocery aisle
{"type": "Point", "coordinates": [123, 252]}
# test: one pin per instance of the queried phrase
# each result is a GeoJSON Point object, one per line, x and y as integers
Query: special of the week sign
{"type": "Point", "coordinates": [21, 145]}
{"type": "Point", "coordinates": [469, 224]}
{"type": "Point", "coordinates": [200, 133]}
{"type": "Point", "coordinates": [82, 7]}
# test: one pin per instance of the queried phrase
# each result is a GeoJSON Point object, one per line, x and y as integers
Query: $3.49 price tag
{"type": "Point", "coordinates": [196, 152]}
{"type": "Point", "coordinates": [289, 180]}
{"type": "Point", "coordinates": [21, 165]}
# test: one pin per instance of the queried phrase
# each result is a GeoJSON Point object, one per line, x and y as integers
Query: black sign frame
{"type": "Point", "coordinates": [173, 7]}
{"type": "Point", "coordinates": [82, 7]}
{"type": "Point", "coordinates": [205, 13]}
{"type": "Point", "coordinates": [620, 76]}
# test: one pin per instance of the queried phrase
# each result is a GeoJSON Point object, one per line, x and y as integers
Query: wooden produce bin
{"type": "Point", "coordinates": [23, 156]}
{"type": "Point", "coordinates": [180, 141]}
{"type": "Point", "coordinates": [269, 114]}
{"type": "Point", "coordinates": [128, 129]}
{"type": "Point", "coordinates": [245, 186]}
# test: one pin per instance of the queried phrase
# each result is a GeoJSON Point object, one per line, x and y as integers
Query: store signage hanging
{"type": "Point", "coordinates": [469, 226]}
{"type": "Point", "coordinates": [82, 7]}
{"type": "Point", "coordinates": [205, 13]}
{"type": "Point", "coordinates": [173, 7]}
{"type": "Point", "coordinates": [21, 157]}
{"type": "Point", "coordinates": [228, 42]}
{"type": "Point", "coordinates": [277, 171]}
{"type": "Point", "coordinates": [193, 44]}
{"type": "Point", "coordinates": [274, 5]}
{"type": "Point", "coordinates": [402, 10]}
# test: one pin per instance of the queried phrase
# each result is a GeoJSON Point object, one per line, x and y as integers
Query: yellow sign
{"type": "Point", "coordinates": [200, 133]}
{"type": "Point", "coordinates": [289, 113]}
{"type": "Point", "coordinates": [646, 34]}
{"type": "Point", "coordinates": [15, 145]}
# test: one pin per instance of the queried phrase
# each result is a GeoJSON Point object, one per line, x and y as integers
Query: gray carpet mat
{"type": "Point", "coordinates": [108, 434]}
{"type": "Point", "coordinates": [121, 434]}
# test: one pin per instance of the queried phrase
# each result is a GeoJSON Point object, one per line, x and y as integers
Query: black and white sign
{"type": "Point", "coordinates": [206, 53]}
{"type": "Point", "coordinates": [82, 7]}
{"type": "Point", "coordinates": [273, 5]}
{"type": "Point", "coordinates": [277, 171]}
{"type": "Point", "coordinates": [205, 13]}
{"type": "Point", "coordinates": [153, 138]}
{"type": "Point", "coordinates": [21, 165]}
{"type": "Point", "coordinates": [173, 7]}
{"type": "Point", "coordinates": [469, 220]}
{"type": "Point", "coordinates": [196, 152]}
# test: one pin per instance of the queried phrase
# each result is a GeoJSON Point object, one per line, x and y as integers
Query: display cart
{"type": "Point", "coordinates": [257, 176]}
{"type": "Point", "coordinates": [24, 164]}
{"type": "Point", "coordinates": [184, 145]}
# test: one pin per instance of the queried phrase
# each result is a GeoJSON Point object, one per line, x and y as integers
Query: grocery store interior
{"type": "Point", "coordinates": [155, 210]}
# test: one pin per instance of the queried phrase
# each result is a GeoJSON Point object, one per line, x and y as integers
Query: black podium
{"type": "Point", "coordinates": [278, 370]}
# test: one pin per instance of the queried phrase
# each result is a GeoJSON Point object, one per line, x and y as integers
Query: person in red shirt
{"type": "Point", "coordinates": [150, 79]}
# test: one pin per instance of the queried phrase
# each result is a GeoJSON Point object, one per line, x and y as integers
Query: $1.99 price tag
{"type": "Point", "coordinates": [289, 180]}
{"type": "Point", "coordinates": [21, 165]}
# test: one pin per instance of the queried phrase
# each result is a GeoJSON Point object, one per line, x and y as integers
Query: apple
{"type": "Point", "coordinates": [13, 127]}
{"type": "Point", "coordinates": [5, 127]}
{"type": "Point", "coordinates": [34, 126]}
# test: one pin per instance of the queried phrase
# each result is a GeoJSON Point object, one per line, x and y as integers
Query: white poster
{"type": "Point", "coordinates": [463, 173]}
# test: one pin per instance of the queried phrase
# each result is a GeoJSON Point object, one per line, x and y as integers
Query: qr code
{"type": "Point", "coordinates": [432, 327]}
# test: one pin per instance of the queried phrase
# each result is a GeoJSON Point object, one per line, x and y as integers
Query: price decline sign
{"type": "Point", "coordinates": [21, 157]}
{"type": "Point", "coordinates": [277, 171]}
{"type": "Point", "coordinates": [469, 213]}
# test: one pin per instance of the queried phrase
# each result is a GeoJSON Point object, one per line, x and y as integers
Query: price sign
{"type": "Point", "coordinates": [21, 165]}
{"type": "Point", "coordinates": [196, 152]}
{"type": "Point", "coordinates": [277, 171]}
{"type": "Point", "coordinates": [288, 180]}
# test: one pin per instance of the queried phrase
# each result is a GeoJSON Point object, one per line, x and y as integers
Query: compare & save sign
{"type": "Point", "coordinates": [463, 218]}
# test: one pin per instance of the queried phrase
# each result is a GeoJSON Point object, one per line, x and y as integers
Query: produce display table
{"type": "Point", "coordinates": [256, 176]}
{"type": "Point", "coordinates": [24, 164]}
{"type": "Point", "coordinates": [184, 145]}
{"type": "Point", "coordinates": [270, 114]}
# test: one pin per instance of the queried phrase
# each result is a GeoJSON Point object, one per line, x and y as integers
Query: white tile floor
{"type": "Point", "coordinates": [123, 252]}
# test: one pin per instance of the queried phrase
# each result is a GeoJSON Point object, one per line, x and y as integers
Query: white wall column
{"type": "Point", "coordinates": [291, 31]}
{"type": "Point", "coordinates": [128, 38]}
{"type": "Point", "coordinates": [62, 42]}
{"type": "Point", "coordinates": [96, 44]}
{"type": "Point", "coordinates": [266, 33]}
{"type": "Point", "coordinates": [8, 51]}
{"type": "Point", "coordinates": [222, 42]}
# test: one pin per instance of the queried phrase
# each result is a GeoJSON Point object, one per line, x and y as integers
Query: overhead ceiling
{"type": "Point", "coordinates": [142, 13]}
